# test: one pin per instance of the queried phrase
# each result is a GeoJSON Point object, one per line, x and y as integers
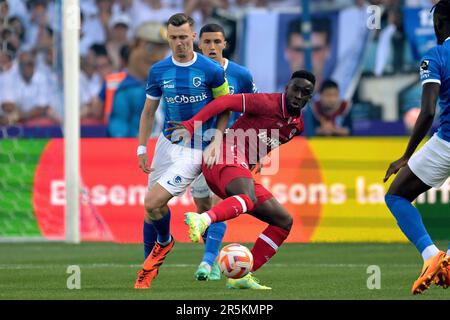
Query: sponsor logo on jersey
{"type": "Point", "coordinates": [271, 142]}
{"type": "Point", "coordinates": [184, 99]}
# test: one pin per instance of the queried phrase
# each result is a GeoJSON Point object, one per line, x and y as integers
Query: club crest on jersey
{"type": "Point", "coordinates": [197, 82]}
{"type": "Point", "coordinates": [231, 88]}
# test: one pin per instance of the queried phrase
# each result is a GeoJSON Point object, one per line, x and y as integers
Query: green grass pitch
{"type": "Point", "coordinates": [298, 271]}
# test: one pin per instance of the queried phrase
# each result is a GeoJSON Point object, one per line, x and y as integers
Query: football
{"type": "Point", "coordinates": [235, 261]}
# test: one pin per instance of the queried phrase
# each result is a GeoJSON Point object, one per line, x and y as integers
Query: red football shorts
{"type": "Point", "coordinates": [220, 175]}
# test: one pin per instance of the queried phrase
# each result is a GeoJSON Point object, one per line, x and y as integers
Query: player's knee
{"type": "Point", "coordinates": [252, 198]}
{"type": "Point", "coordinates": [152, 205]}
{"type": "Point", "coordinates": [286, 222]}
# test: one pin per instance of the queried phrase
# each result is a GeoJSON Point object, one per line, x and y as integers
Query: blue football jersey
{"type": "Point", "coordinates": [435, 67]}
{"type": "Point", "coordinates": [240, 80]}
{"type": "Point", "coordinates": [185, 88]}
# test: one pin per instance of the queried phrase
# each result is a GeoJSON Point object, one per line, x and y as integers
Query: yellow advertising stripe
{"type": "Point", "coordinates": [358, 166]}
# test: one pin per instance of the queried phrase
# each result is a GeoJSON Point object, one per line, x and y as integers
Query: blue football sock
{"type": "Point", "coordinates": [410, 221]}
{"type": "Point", "coordinates": [162, 227]}
{"type": "Point", "coordinates": [205, 236]}
{"type": "Point", "coordinates": [216, 231]}
{"type": "Point", "coordinates": [150, 236]}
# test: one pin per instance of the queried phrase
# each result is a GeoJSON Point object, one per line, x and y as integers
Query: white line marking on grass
{"type": "Point", "coordinates": [169, 265]}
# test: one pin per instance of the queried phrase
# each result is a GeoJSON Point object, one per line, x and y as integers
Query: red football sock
{"type": "Point", "coordinates": [230, 208]}
{"type": "Point", "coordinates": [267, 245]}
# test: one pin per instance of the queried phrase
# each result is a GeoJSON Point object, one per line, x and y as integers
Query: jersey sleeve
{"type": "Point", "coordinates": [153, 90]}
{"type": "Point", "coordinates": [248, 85]}
{"type": "Point", "coordinates": [232, 102]}
{"type": "Point", "coordinates": [430, 68]}
{"type": "Point", "coordinates": [250, 104]}
{"type": "Point", "coordinates": [219, 83]}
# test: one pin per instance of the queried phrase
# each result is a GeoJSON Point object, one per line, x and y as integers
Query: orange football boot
{"type": "Point", "coordinates": [443, 278]}
{"type": "Point", "coordinates": [431, 268]}
{"type": "Point", "coordinates": [152, 264]}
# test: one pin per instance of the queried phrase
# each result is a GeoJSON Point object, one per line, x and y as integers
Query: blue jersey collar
{"type": "Point", "coordinates": [185, 64]}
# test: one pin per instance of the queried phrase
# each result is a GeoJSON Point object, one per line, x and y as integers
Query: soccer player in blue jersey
{"type": "Point", "coordinates": [186, 82]}
{"type": "Point", "coordinates": [430, 166]}
{"type": "Point", "coordinates": [212, 44]}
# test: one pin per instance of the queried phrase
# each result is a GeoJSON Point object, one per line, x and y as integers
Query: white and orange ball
{"type": "Point", "coordinates": [235, 261]}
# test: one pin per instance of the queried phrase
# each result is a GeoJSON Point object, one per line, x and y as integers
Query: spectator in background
{"type": "Point", "coordinates": [26, 98]}
{"type": "Point", "coordinates": [153, 11]}
{"type": "Point", "coordinates": [92, 30]}
{"type": "Point", "coordinates": [149, 46]}
{"type": "Point", "coordinates": [120, 26]}
{"type": "Point", "coordinates": [91, 112]}
{"type": "Point", "coordinates": [331, 114]}
{"type": "Point", "coordinates": [295, 47]}
{"type": "Point", "coordinates": [7, 66]}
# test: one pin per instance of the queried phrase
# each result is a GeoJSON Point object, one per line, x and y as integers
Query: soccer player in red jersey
{"type": "Point", "coordinates": [268, 121]}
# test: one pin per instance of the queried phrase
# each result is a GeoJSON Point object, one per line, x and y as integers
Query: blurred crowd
{"type": "Point", "coordinates": [121, 39]}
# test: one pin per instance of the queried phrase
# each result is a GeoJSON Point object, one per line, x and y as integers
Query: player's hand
{"type": "Point", "coordinates": [143, 164]}
{"type": "Point", "coordinates": [259, 167]}
{"type": "Point", "coordinates": [394, 167]}
{"type": "Point", "coordinates": [212, 153]}
{"type": "Point", "coordinates": [177, 132]}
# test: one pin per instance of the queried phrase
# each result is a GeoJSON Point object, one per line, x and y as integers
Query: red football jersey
{"type": "Point", "coordinates": [264, 125]}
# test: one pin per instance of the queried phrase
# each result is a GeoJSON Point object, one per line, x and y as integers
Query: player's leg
{"type": "Point", "coordinates": [425, 169]}
{"type": "Point", "coordinates": [161, 161]}
{"type": "Point", "coordinates": [156, 209]}
{"type": "Point", "coordinates": [239, 198]}
{"type": "Point", "coordinates": [212, 238]}
{"type": "Point", "coordinates": [268, 210]}
{"type": "Point", "coordinates": [173, 182]}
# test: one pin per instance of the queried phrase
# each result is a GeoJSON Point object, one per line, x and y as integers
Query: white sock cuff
{"type": "Point", "coordinates": [429, 252]}
{"type": "Point", "coordinates": [242, 202]}
{"type": "Point", "coordinates": [269, 241]}
{"type": "Point", "coordinates": [205, 216]}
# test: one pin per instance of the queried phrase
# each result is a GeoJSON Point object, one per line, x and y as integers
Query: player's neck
{"type": "Point", "coordinates": [189, 58]}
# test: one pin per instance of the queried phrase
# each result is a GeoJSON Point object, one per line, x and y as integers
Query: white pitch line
{"type": "Point", "coordinates": [168, 265]}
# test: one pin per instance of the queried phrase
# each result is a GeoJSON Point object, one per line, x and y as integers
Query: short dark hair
{"type": "Point", "coordinates": [212, 27]}
{"type": "Point", "coordinates": [303, 74]}
{"type": "Point", "coordinates": [442, 9]}
{"type": "Point", "coordinates": [179, 19]}
{"type": "Point", "coordinates": [99, 49]}
{"type": "Point", "coordinates": [321, 25]}
{"type": "Point", "coordinates": [441, 14]}
{"type": "Point", "coordinates": [328, 84]}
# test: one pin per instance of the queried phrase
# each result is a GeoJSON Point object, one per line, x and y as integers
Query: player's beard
{"type": "Point", "coordinates": [294, 112]}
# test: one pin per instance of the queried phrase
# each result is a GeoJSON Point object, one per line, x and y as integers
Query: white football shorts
{"type": "Point", "coordinates": [431, 163]}
{"type": "Point", "coordinates": [175, 166]}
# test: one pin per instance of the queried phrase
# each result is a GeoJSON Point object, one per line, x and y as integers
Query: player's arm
{"type": "Point", "coordinates": [224, 117]}
{"type": "Point", "coordinates": [227, 103]}
{"type": "Point", "coordinates": [145, 129]}
{"type": "Point", "coordinates": [430, 94]}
